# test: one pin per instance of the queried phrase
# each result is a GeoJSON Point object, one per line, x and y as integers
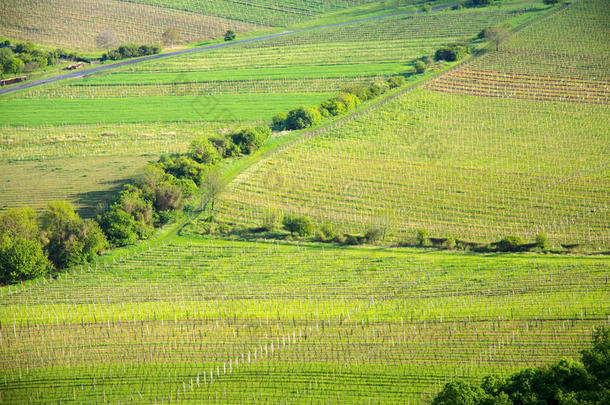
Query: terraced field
{"type": "Point", "coordinates": [74, 24]}
{"type": "Point", "coordinates": [197, 318]}
{"type": "Point", "coordinates": [529, 156]}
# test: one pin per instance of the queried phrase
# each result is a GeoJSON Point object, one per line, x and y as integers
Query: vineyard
{"type": "Point", "coordinates": [79, 22]}
{"type": "Point", "coordinates": [216, 304]}
{"type": "Point", "coordinates": [477, 154]}
{"type": "Point", "coordinates": [262, 12]}
{"type": "Point", "coordinates": [194, 319]}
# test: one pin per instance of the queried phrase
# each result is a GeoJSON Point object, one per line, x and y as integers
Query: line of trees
{"type": "Point", "coordinates": [347, 100]}
{"type": "Point", "coordinates": [131, 51]}
{"type": "Point", "coordinates": [565, 382]}
{"type": "Point", "coordinates": [33, 246]}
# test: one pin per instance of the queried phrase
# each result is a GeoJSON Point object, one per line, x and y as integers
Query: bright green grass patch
{"type": "Point", "coordinates": [223, 107]}
{"type": "Point", "coordinates": [296, 72]}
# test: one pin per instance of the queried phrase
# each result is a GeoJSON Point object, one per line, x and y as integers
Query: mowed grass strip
{"type": "Point", "coordinates": [293, 72]}
{"type": "Point", "coordinates": [225, 107]}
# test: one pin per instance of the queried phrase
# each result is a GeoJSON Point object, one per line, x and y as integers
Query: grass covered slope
{"type": "Point", "coordinates": [464, 166]}
{"type": "Point", "coordinates": [263, 12]}
{"type": "Point", "coordinates": [195, 318]}
{"type": "Point", "coordinates": [74, 24]}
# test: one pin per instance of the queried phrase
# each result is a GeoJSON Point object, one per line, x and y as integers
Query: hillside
{"type": "Point", "coordinates": [221, 254]}
{"type": "Point", "coordinates": [463, 157]}
{"type": "Point", "coordinates": [228, 86]}
{"type": "Point", "coordinates": [75, 24]}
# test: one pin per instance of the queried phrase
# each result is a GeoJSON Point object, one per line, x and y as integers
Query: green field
{"type": "Point", "coordinates": [235, 107]}
{"type": "Point", "coordinates": [212, 308]}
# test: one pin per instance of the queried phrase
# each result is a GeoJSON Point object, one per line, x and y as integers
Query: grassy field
{"type": "Point", "coordinates": [193, 318]}
{"type": "Point", "coordinates": [74, 24]}
{"type": "Point", "coordinates": [223, 107]}
{"type": "Point", "coordinates": [85, 164]}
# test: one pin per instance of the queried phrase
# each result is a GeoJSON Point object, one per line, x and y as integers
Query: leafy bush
{"type": "Point", "coordinates": [327, 232]}
{"type": "Point", "coordinates": [279, 121]}
{"type": "Point", "coordinates": [229, 35]}
{"type": "Point", "coordinates": [299, 225]}
{"type": "Point", "coordinates": [396, 81]}
{"type": "Point", "coordinates": [71, 240]}
{"type": "Point", "coordinates": [131, 51]}
{"type": "Point", "coordinates": [550, 1]}
{"type": "Point", "coordinates": [20, 222]}
{"type": "Point", "coordinates": [510, 243]}
{"type": "Point", "coordinates": [303, 117]}
{"type": "Point", "coordinates": [119, 227]}
{"type": "Point", "coordinates": [202, 151]}
{"type": "Point", "coordinates": [451, 52]}
{"type": "Point", "coordinates": [332, 107]}
{"type": "Point", "coordinates": [225, 146]}
{"type": "Point", "coordinates": [420, 66]}
{"type": "Point", "coordinates": [421, 235]}
{"type": "Point", "coordinates": [373, 235]}
{"type": "Point", "coordinates": [542, 241]}
{"type": "Point", "coordinates": [250, 139]}
{"type": "Point", "coordinates": [361, 91]}
{"type": "Point", "coordinates": [21, 259]}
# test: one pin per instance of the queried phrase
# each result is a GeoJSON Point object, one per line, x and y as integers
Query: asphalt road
{"type": "Point", "coordinates": [81, 73]}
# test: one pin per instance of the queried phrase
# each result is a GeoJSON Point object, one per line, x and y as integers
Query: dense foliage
{"type": "Point", "coordinates": [564, 382]}
{"type": "Point", "coordinates": [451, 52]}
{"type": "Point", "coordinates": [31, 247]}
{"type": "Point", "coordinates": [131, 51]}
{"type": "Point", "coordinates": [347, 100]}
{"type": "Point", "coordinates": [26, 57]}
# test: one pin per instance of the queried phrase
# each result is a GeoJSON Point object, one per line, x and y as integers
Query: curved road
{"type": "Point", "coordinates": [102, 68]}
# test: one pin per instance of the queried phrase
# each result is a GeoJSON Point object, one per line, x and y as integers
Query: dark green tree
{"type": "Point", "coordinates": [299, 225]}
{"type": "Point", "coordinates": [230, 35]}
{"type": "Point", "coordinates": [303, 117]}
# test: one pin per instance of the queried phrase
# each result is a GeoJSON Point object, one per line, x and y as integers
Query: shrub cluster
{"type": "Point", "coordinates": [25, 57]}
{"type": "Point", "coordinates": [131, 51]}
{"type": "Point", "coordinates": [31, 247]}
{"type": "Point", "coordinates": [243, 142]}
{"type": "Point", "coordinates": [347, 100]}
{"type": "Point", "coordinates": [564, 382]}
{"type": "Point", "coordinates": [509, 243]}
{"type": "Point", "coordinates": [451, 52]}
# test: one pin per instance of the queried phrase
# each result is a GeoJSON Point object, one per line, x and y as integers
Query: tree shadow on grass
{"type": "Point", "coordinates": [89, 203]}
